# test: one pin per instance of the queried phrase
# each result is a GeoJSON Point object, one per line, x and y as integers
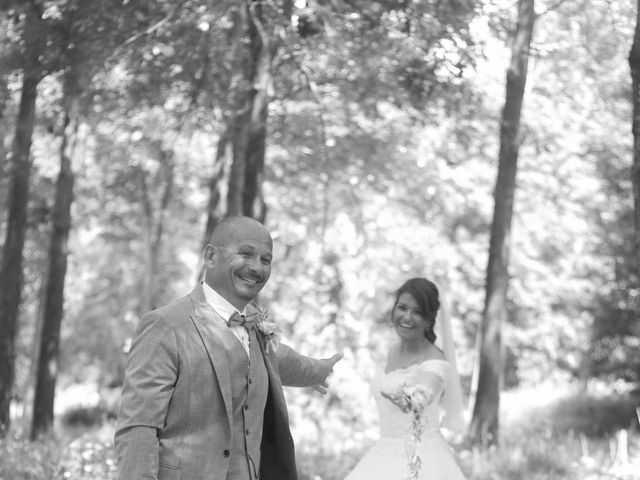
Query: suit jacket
{"type": "Point", "coordinates": [174, 421]}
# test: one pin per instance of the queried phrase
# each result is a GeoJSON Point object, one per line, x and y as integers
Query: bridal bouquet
{"type": "Point", "coordinates": [412, 399]}
{"type": "Point", "coordinates": [270, 329]}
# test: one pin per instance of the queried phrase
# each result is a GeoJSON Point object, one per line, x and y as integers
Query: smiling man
{"type": "Point", "coordinates": [238, 259]}
{"type": "Point", "coordinates": [202, 397]}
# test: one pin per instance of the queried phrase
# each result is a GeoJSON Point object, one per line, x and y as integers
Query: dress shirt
{"type": "Point", "coordinates": [225, 310]}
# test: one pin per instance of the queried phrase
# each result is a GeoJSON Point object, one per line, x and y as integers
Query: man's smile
{"type": "Point", "coordinates": [250, 280]}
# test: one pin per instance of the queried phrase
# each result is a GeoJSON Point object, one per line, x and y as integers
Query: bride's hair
{"type": "Point", "coordinates": [426, 295]}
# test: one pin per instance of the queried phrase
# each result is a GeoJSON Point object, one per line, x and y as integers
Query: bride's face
{"type": "Point", "coordinates": [407, 318]}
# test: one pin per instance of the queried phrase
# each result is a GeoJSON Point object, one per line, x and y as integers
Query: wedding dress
{"type": "Point", "coordinates": [387, 458]}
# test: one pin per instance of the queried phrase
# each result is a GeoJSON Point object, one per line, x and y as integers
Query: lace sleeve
{"type": "Point", "coordinates": [430, 377]}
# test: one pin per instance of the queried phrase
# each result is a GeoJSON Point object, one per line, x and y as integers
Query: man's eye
{"type": "Point", "coordinates": [266, 261]}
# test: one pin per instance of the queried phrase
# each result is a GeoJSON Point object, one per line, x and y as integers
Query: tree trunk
{"type": "Point", "coordinates": [249, 123]}
{"type": "Point", "coordinates": [217, 207]}
{"type": "Point", "coordinates": [155, 229]}
{"type": "Point", "coordinates": [53, 311]}
{"type": "Point", "coordinates": [262, 52]}
{"type": "Point", "coordinates": [484, 426]}
{"type": "Point", "coordinates": [239, 140]}
{"type": "Point", "coordinates": [243, 144]}
{"type": "Point", "coordinates": [4, 98]}
{"type": "Point", "coordinates": [634, 63]}
{"type": "Point", "coordinates": [215, 212]}
{"type": "Point", "coordinates": [4, 160]}
{"type": "Point", "coordinates": [237, 119]}
{"type": "Point", "coordinates": [11, 276]}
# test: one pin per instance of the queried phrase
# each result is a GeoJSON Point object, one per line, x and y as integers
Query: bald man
{"type": "Point", "coordinates": [202, 397]}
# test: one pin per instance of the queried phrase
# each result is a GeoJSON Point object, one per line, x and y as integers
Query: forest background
{"type": "Point", "coordinates": [366, 135]}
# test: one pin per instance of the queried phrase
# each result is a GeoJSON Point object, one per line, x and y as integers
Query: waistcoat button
{"type": "Point", "coordinates": [226, 453]}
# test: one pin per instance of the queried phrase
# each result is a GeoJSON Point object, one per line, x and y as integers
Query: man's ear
{"type": "Point", "coordinates": [209, 255]}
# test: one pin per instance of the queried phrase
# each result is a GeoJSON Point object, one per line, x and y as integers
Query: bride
{"type": "Point", "coordinates": [419, 381]}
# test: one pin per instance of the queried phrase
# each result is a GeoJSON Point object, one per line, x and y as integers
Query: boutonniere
{"type": "Point", "coordinates": [270, 330]}
{"type": "Point", "coordinates": [412, 399]}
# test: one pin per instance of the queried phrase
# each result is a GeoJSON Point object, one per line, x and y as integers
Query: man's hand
{"type": "Point", "coordinates": [325, 370]}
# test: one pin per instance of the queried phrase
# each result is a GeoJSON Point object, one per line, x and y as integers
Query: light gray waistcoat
{"type": "Point", "coordinates": [249, 387]}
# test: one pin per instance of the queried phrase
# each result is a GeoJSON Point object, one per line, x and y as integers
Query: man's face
{"type": "Point", "coordinates": [242, 265]}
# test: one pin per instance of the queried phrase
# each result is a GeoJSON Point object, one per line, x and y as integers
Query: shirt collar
{"type": "Point", "coordinates": [219, 303]}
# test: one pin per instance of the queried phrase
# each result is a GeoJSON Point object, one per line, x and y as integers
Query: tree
{"type": "Point", "coordinates": [86, 33]}
{"type": "Point", "coordinates": [53, 303]}
{"type": "Point", "coordinates": [242, 145]}
{"type": "Point", "coordinates": [154, 224]}
{"type": "Point", "coordinates": [634, 63]}
{"type": "Point", "coordinates": [484, 426]}
{"type": "Point", "coordinates": [11, 275]}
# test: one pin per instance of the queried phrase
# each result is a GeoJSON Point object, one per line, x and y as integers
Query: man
{"type": "Point", "coordinates": [202, 397]}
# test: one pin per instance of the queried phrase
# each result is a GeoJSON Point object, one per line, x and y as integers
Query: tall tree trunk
{"type": "Point", "coordinates": [11, 276]}
{"type": "Point", "coordinates": [4, 98]}
{"type": "Point", "coordinates": [218, 197]}
{"type": "Point", "coordinates": [237, 173]}
{"type": "Point", "coordinates": [4, 161]}
{"type": "Point", "coordinates": [250, 120]}
{"type": "Point", "coordinates": [634, 63]}
{"type": "Point", "coordinates": [238, 119]}
{"type": "Point", "coordinates": [261, 51]}
{"type": "Point", "coordinates": [241, 149]}
{"type": "Point", "coordinates": [484, 426]}
{"type": "Point", "coordinates": [53, 310]}
{"type": "Point", "coordinates": [155, 218]}
{"type": "Point", "coordinates": [215, 212]}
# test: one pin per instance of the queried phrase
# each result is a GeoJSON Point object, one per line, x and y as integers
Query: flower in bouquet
{"type": "Point", "coordinates": [412, 399]}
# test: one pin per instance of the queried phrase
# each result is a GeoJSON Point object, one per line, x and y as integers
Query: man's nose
{"type": "Point", "coordinates": [255, 264]}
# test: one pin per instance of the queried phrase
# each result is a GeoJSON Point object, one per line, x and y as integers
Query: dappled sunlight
{"type": "Point", "coordinates": [522, 406]}
{"type": "Point", "coordinates": [79, 395]}
{"type": "Point", "coordinates": [89, 457]}
{"type": "Point", "coordinates": [371, 139]}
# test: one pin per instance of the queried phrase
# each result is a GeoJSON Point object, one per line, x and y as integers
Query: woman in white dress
{"type": "Point", "coordinates": [418, 382]}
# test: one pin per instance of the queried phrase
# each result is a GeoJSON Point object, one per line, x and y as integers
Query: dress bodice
{"type": "Point", "coordinates": [430, 375]}
{"type": "Point", "coordinates": [387, 458]}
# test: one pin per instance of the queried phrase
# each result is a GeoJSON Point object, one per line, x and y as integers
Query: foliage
{"type": "Point", "coordinates": [549, 443]}
{"type": "Point", "coordinates": [90, 457]}
{"type": "Point", "coordinates": [595, 416]}
{"type": "Point", "coordinates": [546, 457]}
{"type": "Point", "coordinates": [25, 460]}
{"type": "Point", "coordinates": [84, 416]}
{"type": "Point", "coordinates": [570, 438]}
{"type": "Point", "coordinates": [382, 147]}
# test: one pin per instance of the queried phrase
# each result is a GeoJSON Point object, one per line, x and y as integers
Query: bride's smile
{"type": "Point", "coordinates": [408, 319]}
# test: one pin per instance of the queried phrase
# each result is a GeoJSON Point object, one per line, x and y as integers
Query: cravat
{"type": "Point", "coordinates": [238, 319]}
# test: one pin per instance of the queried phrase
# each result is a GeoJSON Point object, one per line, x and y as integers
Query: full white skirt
{"type": "Point", "coordinates": [387, 460]}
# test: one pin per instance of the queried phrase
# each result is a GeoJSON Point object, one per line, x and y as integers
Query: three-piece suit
{"type": "Point", "coordinates": [196, 406]}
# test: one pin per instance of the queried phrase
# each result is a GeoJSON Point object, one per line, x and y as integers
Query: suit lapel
{"type": "Point", "coordinates": [275, 387]}
{"type": "Point", "coordinates": [217, 341]}
{"type": "Point", "coordinates": [278, 452]}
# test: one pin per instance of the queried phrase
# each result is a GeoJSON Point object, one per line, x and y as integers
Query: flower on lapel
{"type": "Point", "coordinates": [270, 329]}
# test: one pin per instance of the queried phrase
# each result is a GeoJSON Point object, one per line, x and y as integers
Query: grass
{"type": "Point", "coordinates": [90, 456]}
{"type": "Point", "coordinates": [577, 437]}
{"type": "Point", "coordinates": [23, 460]}
{"type": "Point", "coordinates": [546, 455]}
